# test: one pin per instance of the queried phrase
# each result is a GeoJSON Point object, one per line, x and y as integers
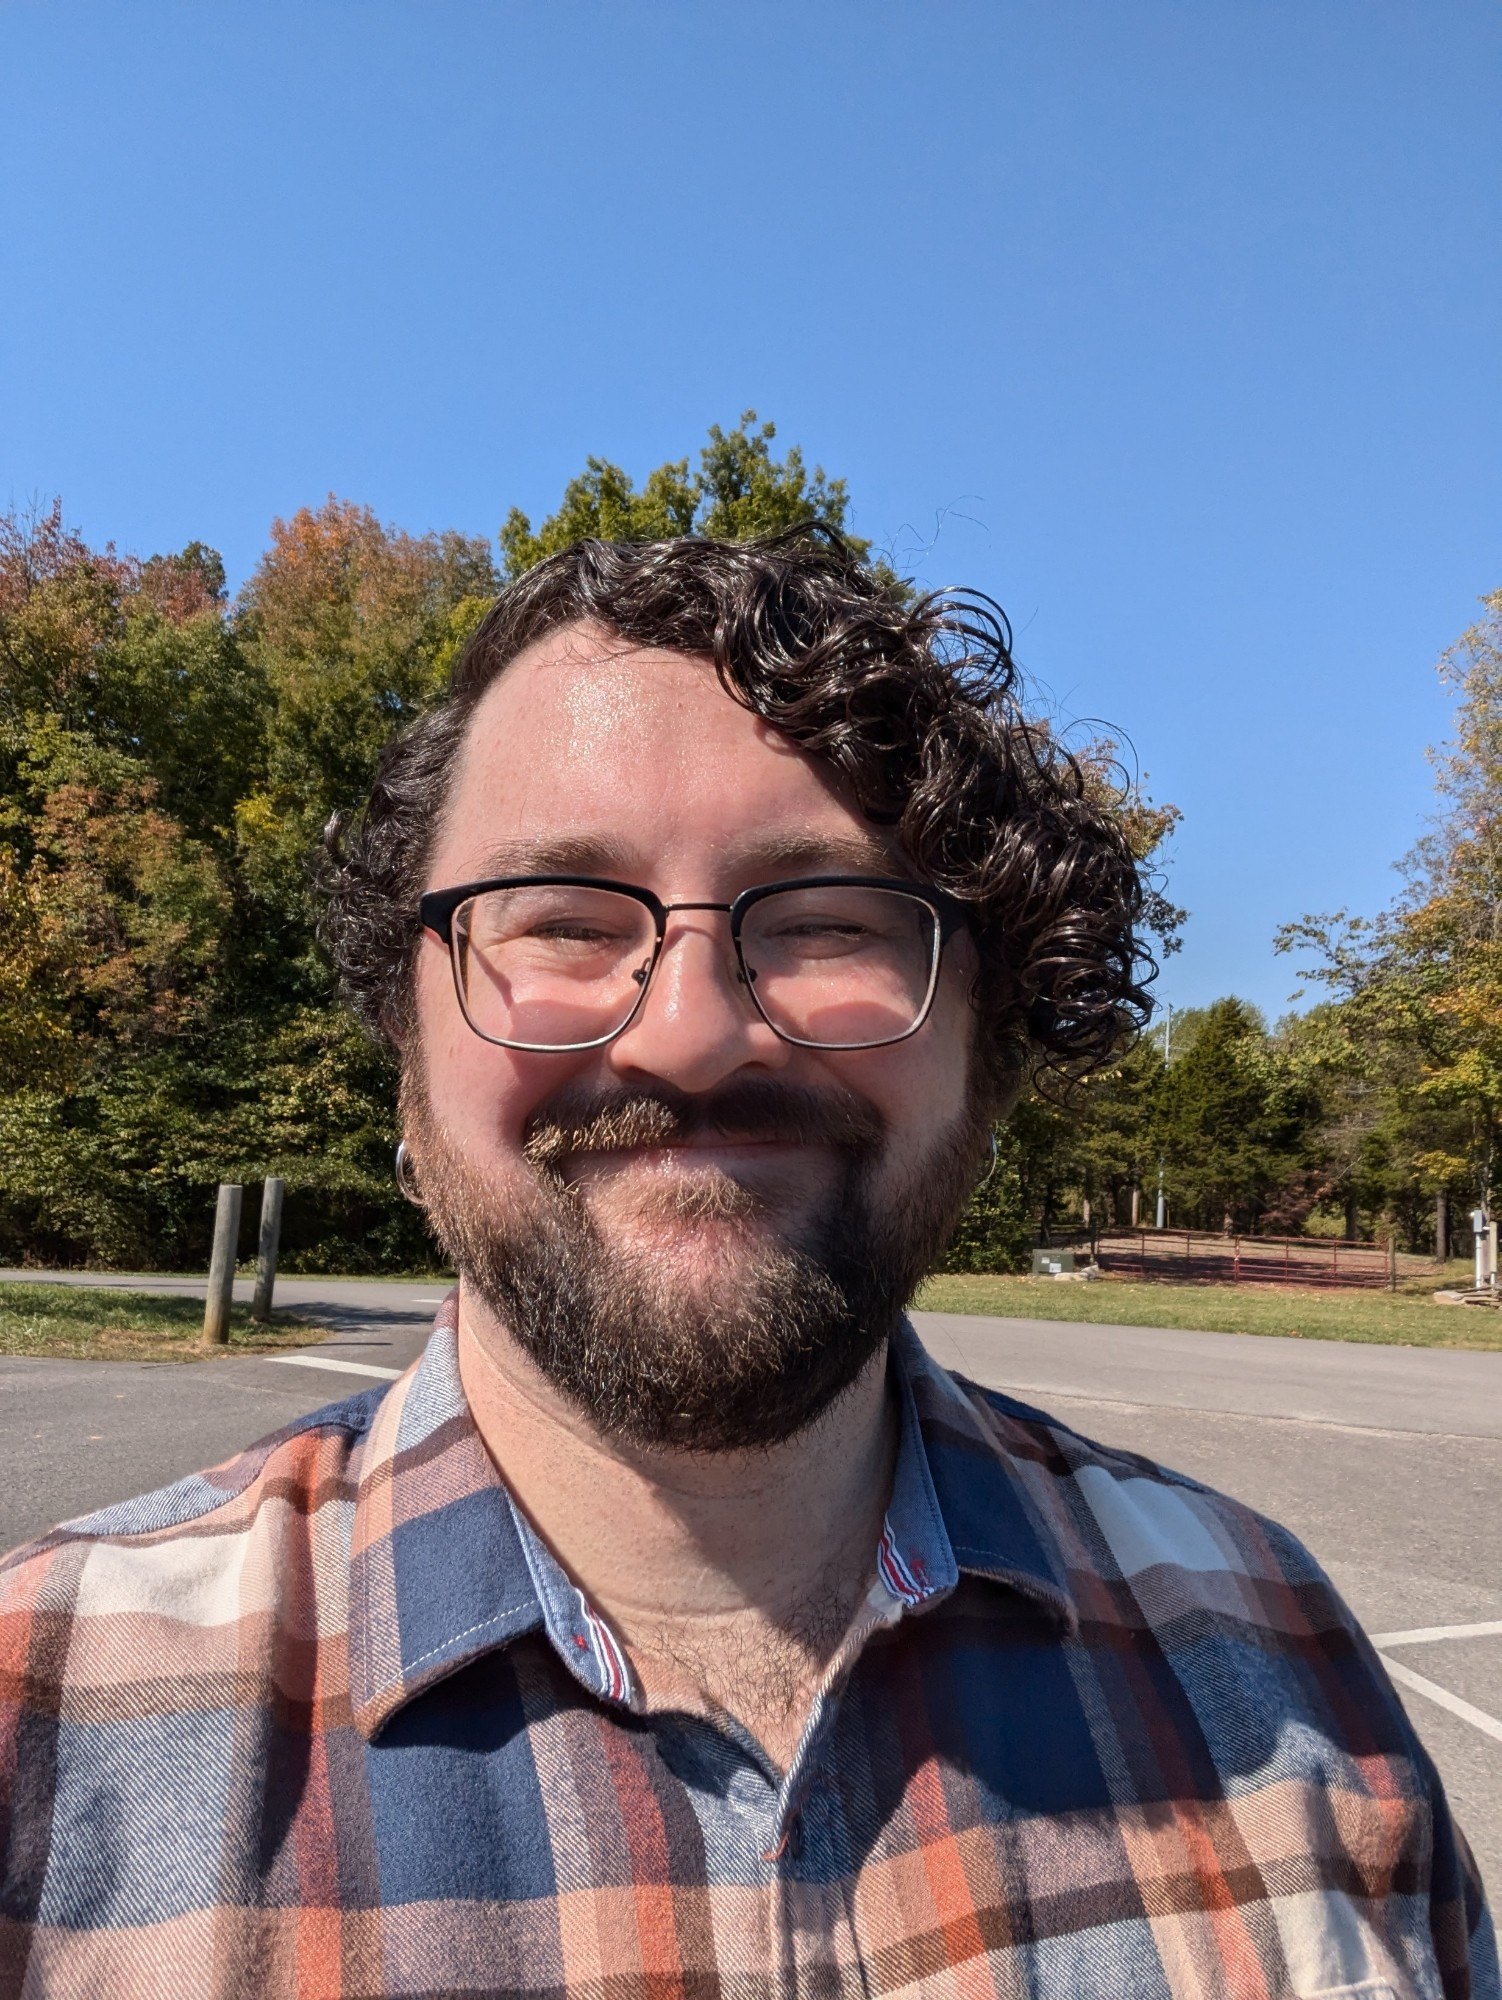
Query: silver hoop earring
{"type": "Point", "coordinates": [406, 1178]}
{"type": "Point", "coordinates": [991, 1168]}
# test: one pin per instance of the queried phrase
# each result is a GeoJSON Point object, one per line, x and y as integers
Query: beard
{"type": "Point", "coordinates": [726, 1333]}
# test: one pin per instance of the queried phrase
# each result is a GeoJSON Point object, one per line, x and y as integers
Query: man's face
{"type": "Point", "coordinates": [774, 1172]}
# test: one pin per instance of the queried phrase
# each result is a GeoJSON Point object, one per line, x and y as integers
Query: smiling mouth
{"type": "Point", "coordinates": [685, 1155]}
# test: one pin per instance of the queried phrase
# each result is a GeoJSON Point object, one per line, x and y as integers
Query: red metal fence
{"type": "Point", "coordinates": [1197, 1256]}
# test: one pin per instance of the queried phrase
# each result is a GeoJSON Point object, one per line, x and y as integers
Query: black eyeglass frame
{"type": "Point", "coordinates": [438, 908]}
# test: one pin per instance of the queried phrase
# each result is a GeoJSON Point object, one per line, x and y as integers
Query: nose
{"type": "Point", "coordinates": [697, 1025]}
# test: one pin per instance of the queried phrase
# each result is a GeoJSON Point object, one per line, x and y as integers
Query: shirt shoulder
{"type": "Point", "coordinates": [1121, 1518]}
{"type": "Point", "coordinates": [170, 1553]}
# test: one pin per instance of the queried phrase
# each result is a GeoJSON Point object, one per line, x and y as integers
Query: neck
{"type": "Point", "coordinates": [693, 1555]}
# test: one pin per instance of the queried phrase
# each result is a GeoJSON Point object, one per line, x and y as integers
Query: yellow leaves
{"type": "Point", "coordinates": [257, 820]}
{"type": "Point", "coordinates": [35, 1039]}
{"type": "Point", "coordinates": [1436, 1170]}
{"type": "Point", "coordinates": [462, 620]}
{"type": "Point", "coordinates": [119, 914]}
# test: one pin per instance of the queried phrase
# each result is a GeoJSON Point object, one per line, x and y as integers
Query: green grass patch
{"type": "Point", "coordinates": [1408, 1318]}
{"type": "Point", "coordinates": [98, 1323]}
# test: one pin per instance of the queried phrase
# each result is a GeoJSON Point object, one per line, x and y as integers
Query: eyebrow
{"type": "Point", "coordinates": [565, 854]}
{"type": "Point", "coordinates": [860, 852]}
{"type": "Point", "coordinates": [600, 854]}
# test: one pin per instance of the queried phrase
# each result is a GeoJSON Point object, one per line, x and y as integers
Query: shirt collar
{"type": "Point", "coordinates": [444, 1567]}
{"type": "Point", "coordinates": [967, 1445]}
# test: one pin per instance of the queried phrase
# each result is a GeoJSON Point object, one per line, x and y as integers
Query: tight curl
{"type": "Point", "coordinates": [916, 703]}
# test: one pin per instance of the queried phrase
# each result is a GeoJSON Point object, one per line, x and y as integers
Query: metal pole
{"type": "Point", "coordinates": [1167, 1052]}
{"type": "Point", "coordinates": [222, 1264]}
{"type": "Point", "coordinates": [271, 1236]}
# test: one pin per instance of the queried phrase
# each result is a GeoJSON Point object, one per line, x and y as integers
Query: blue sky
{"type": "Point", "coordinates": [1174, 326]}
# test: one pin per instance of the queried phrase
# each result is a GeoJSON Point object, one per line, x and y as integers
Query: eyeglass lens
{"type": "Point", "coordinates": [551, 966]}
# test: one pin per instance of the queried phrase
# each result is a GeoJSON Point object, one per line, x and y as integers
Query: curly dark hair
{"type": "Point", "coordinates": [914, 701]}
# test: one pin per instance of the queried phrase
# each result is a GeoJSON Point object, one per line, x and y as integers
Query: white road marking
{"type": "Point", "coordinates": [338, 1367]}
{"type": "Point", "coordinates": [1424, 1635]}
{"type": "Point", "coordinates": [1442, 1697]}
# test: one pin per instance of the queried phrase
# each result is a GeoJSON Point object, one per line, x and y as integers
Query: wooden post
{"type": "Point", "coordinates": [271, 1236]}
{"type": "Point", "coordinates": [222, 1264]}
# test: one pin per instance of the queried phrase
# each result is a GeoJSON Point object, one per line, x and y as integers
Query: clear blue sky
{"type": "Point", "coordinates": [1174, 326]}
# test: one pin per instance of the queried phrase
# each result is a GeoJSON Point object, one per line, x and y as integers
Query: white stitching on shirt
{"type": "Point", "coordinates": [508, 1611]}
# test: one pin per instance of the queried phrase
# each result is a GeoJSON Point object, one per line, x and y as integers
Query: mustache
{"type": "Point", "coordinates": [580, 1119]}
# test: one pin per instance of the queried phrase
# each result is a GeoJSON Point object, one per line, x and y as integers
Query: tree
{"type": "Point", "coordinates": [739, 491]}
{"type": "Point", "coordinates": [1414, 1034]}
{"type": "Point", "coordinates": [164, 1019]}
{"type": "Point", "coordinates": [1234, 1119]}
{"type": "Point", "coordinates": [353, 627]}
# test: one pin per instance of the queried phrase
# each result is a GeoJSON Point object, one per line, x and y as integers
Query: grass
{"type": "Point", "coordinates": [82, 1322]}
{"type": "Point", "coordinates": [1406, 1318]}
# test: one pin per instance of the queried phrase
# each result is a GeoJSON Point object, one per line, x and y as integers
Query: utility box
{"type": "Point", "coordinates": [1049, 1263]}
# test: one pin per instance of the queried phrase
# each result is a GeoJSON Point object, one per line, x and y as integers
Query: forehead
{"type": "Point", "coordinates": [587, 741]}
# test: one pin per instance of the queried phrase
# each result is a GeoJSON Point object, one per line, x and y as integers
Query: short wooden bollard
{"type": "Point", "coordinates": [271, 1236]}
{"type": "Point", "coordinates": [222, 1264]}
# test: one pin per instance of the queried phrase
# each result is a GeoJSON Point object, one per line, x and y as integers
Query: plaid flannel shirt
{"type": "Point", "coordinates": [331, 1721]}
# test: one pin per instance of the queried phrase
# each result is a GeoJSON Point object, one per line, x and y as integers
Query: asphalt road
{"type": "Point", "coordinates": [1386, 1461]}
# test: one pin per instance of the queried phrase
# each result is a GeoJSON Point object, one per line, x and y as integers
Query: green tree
{"type": "Point", "coordinates": [164, 1019]}
{"type": "Point", "coordinates": [739, 491]}
{"type": "Point", "coordinates": [353, 627]}
{"type": "Point", "coordinates": [996, 1231]}
{"type": "Point", "coordinates": [1413, 1037]}
{"type": "Point", "coordinates": [1236, 1121]}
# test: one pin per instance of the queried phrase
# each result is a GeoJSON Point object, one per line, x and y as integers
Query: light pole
{"type": "Point", "coordinates": [1167, 1052]}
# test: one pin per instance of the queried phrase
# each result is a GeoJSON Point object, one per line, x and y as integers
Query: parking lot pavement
{"type": "Point", "coordinates": [1387, 1462]}
{"type": "Point", "coordinates": [76, 1435]}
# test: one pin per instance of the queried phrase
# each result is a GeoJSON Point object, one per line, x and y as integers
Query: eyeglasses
{"type": "Point", "coordinates": [557, 962]}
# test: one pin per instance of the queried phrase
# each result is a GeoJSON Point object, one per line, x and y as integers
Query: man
{"type": "Point", "coordinates": [675, 1626]}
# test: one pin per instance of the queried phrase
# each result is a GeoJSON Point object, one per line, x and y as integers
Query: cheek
{"type": "Point", "coordinates": [918, 1086]}
{"type": "Point", "coordinates": [481, 1094]}
{"type": "Point", "coordinates": [924, 1084]}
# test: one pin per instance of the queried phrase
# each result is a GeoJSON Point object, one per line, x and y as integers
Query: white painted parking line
{"type": "Point", "coordinates": [337, 1367]}
{"type": "Point", "coordinates": [1442, 1697]}
{"type": "Point", "coordinates": [1425, 1635]}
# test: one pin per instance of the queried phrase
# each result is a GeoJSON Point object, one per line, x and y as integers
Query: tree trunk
{"type": "Point", "coordinates": [1136, 1207]}
{"type": "Point", "coordinates": [1352, 1221]}
{"type": "Point", "coordinates": [1441, 1228]}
